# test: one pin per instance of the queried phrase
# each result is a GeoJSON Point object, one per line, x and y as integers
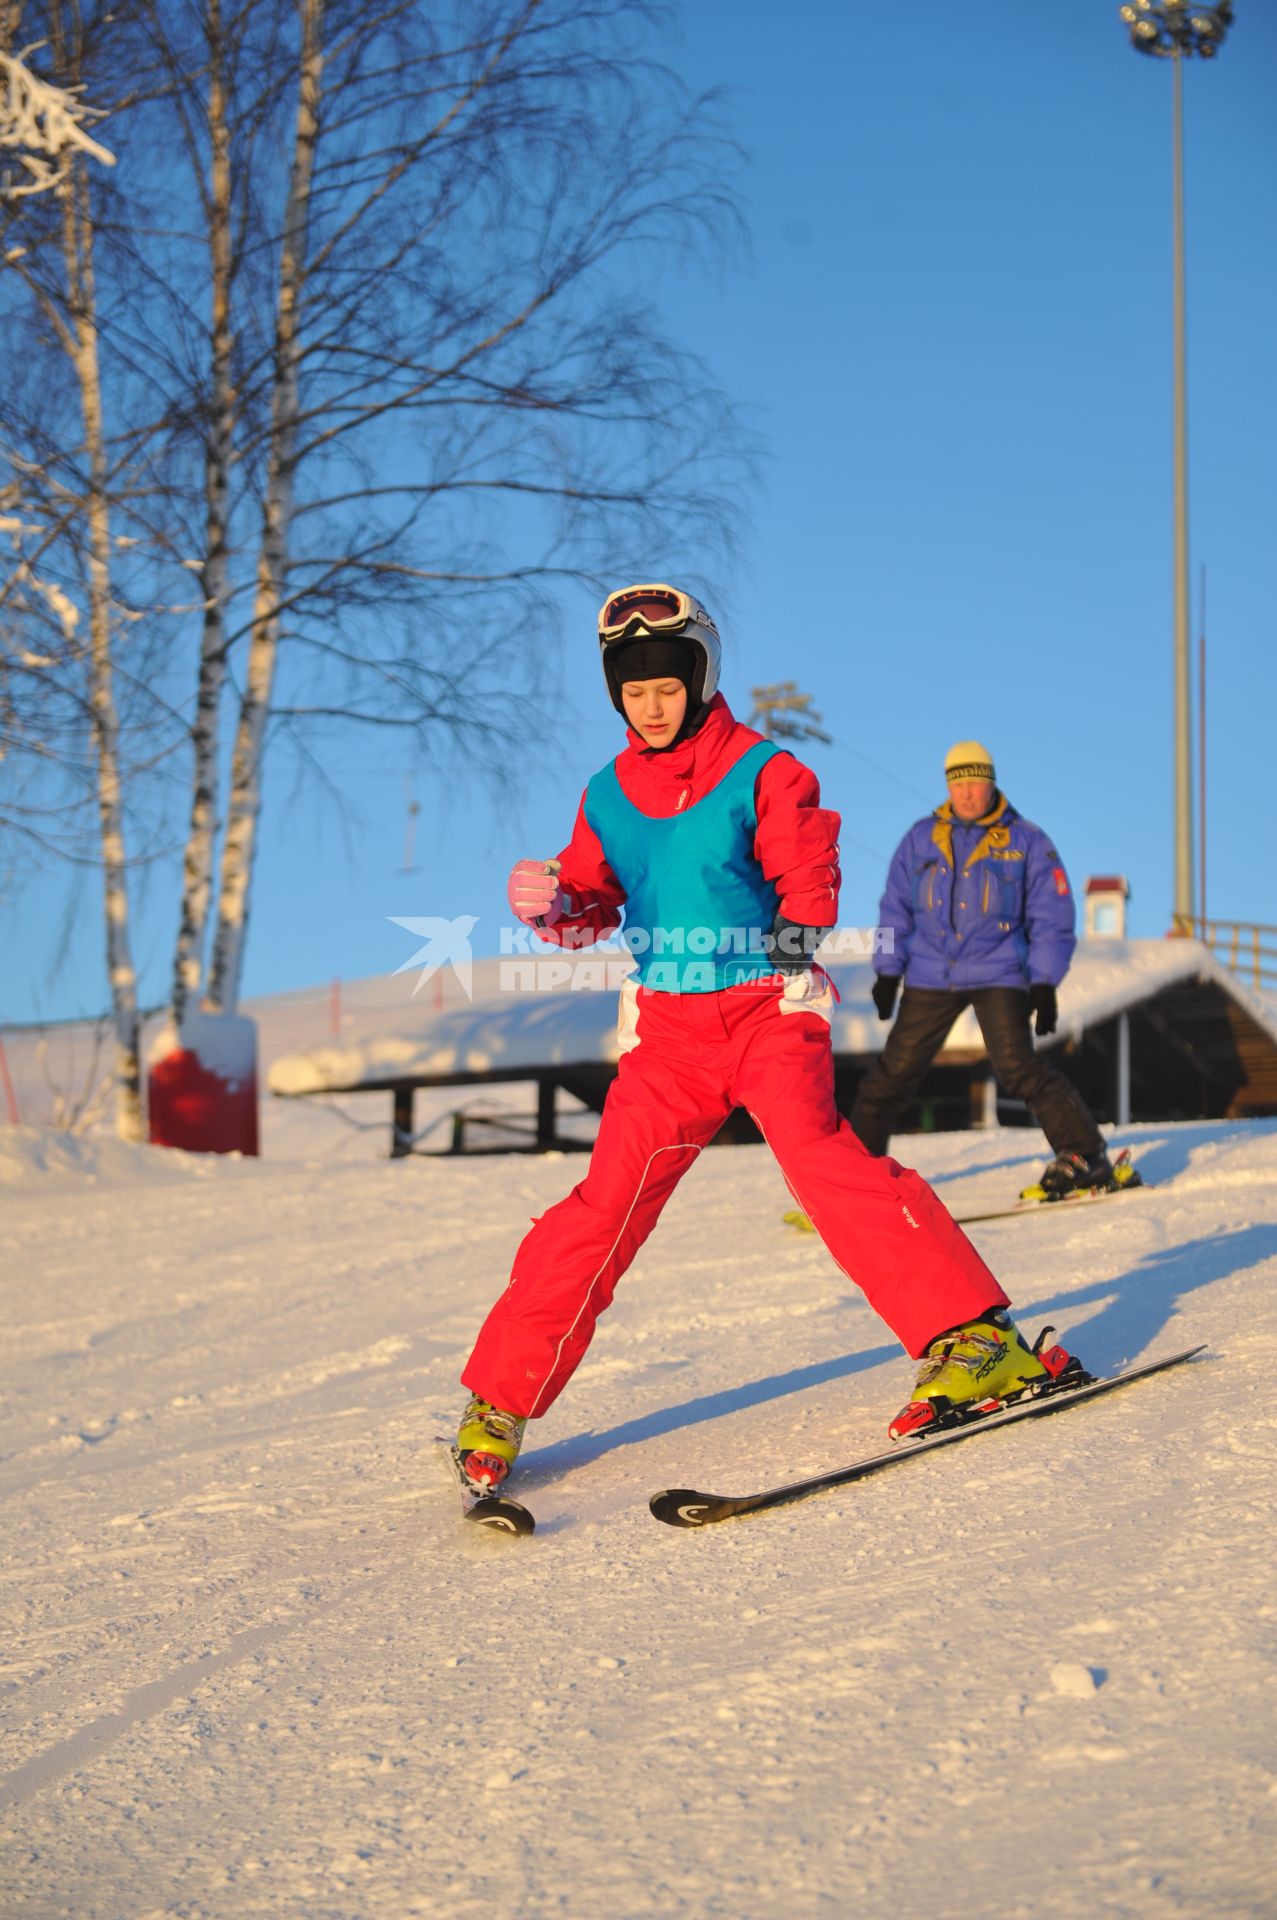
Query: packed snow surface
{"type": "Point", "coordinates": [254, 1664]}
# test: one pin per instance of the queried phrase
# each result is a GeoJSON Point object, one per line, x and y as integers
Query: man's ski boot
{"type": "Point", "coordinates": [488, 1443]}
{"type": "Point", "coordinates": [1071, 1173]}
{"type": "Point", "coordinates": [977, 1369]}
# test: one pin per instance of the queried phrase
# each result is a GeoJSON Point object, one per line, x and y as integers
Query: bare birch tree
{"type": "Point", "coordinates": [440, 357]}
{"type": "Point", "coordinates": [240, 839]}
{"type": "Point", "coordinates": [402, 378]}
{"type": "Point", "coordinates": [452, 332]}
{"type": "Point", "coordinates": [68, 307]}
{"type": "Point", "coordinates": [209, 153]}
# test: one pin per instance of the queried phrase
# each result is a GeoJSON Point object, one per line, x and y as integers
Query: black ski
{"type": "Point", "coordinates": [494, 1510]}
{"type": "Point", "coordinates": [684, 1507]}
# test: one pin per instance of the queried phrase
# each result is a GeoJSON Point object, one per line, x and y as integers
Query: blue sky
{"type": "Point", "coordinates": [953, 338]}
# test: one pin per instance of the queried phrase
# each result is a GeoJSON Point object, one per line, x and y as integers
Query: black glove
{"type": "Point", "coordinates": [885, 988]}
{"type": "Point", "coordinates": [790, 945]}
{"type": "Point", "coordinates": [1042, 1003]}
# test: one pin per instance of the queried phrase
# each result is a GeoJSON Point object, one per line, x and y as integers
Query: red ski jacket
{"type": "Point", "coordinates": [795, 842]}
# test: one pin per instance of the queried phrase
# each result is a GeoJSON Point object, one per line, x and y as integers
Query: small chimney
{"type": "Point", "coordinates": [1106, 898]}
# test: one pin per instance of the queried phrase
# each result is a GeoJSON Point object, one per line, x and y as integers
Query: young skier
{"type": "Point", "coordinates": [715, 843]}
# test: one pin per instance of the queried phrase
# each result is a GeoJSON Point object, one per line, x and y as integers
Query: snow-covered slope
{"type": "Point", "coordinates": [254, 1665]}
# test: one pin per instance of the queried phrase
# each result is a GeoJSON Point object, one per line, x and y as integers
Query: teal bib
{"type": "Point", "coordinates": [697, 903]}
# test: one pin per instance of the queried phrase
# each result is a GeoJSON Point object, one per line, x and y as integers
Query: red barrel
{"type": "Point", "coordinates": [202, 1085]}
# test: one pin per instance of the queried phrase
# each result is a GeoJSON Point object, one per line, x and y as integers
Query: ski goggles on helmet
{"type": "Point", "coordinates": [658, 609]}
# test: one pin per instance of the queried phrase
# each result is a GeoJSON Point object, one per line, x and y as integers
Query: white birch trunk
{"type": "Point", "coordinates": [239, 846]}
{"type": "Point", "coordinates": [197, 872]}
{"type": "Point", "coordinates": [77, 241]}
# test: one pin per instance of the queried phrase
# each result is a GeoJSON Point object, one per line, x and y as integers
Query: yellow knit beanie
{"type": "Point", "coordinates": [968, 760]}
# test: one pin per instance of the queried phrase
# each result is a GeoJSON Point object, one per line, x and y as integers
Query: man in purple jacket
{"type": "Point", "coordinates": [982, 913]}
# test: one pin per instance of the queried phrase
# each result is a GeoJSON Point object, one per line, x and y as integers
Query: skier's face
{"type": "Point", "coordinates": [655, 709]}
{"type": "Point", "coordinates": [971, 798]}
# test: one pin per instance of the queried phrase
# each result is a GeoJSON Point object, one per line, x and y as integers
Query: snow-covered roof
{"type": "Point", "coordinates": [533, 1013]}
{"type": "Point", "coordinates": [520, 1017]}
{"type": "Point", "coordinates": [1109, 976]}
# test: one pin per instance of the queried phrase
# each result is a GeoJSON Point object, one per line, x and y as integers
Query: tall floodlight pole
{"type": "Point", "coordinates": [1174, 29]}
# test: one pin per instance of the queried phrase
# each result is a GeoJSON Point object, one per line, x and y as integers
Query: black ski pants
{"type": "Point", "coordinates": [922, 1024]}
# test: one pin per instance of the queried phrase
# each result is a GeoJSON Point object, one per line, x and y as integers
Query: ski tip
{"type": "Point", "coordinates": [682, 1507]}
{"type": "Point", "coordinates": [495, 1511]}
{"type": "Point", "coordinates": [501, 1516]}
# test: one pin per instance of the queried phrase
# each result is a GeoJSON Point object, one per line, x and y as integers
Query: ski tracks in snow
{"type": "Point", "coordinates": [254, 1666]}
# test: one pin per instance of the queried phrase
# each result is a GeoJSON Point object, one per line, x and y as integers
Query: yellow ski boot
{"type": "Point", "coordinates": [976, 1369]}
{"type": "Point", "coordinates": [488, 1443]}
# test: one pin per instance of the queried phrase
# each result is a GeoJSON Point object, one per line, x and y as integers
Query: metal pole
{"type": "Point", "coordinates": [1176, 29]}
{"type": "Point", "coordinates": [9, 1098]}
{"type": "Point", "coordinates": [1183, 721]}
{"type": "Point", "coordinates": [1201, 757]}
{"type": "Point", "coordinates": [1123, 1114]}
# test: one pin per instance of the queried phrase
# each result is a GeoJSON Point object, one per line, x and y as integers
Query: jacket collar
{"type": "Point", "coordinates": [678, 765]}
{"type": "Point", "coordinates": [996, 831]}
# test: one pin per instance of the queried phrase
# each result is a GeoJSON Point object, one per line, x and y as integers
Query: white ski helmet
{"type": "Point", "coordinates": [661, 612]}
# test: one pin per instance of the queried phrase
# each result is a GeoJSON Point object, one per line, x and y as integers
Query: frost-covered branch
{"type": "Point", "coordinates": [44, 126]}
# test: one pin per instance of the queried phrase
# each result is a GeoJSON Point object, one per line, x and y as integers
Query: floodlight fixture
{"type": "Point", "coordinates": [1173, 28]}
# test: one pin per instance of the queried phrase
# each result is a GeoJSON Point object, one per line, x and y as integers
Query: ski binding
{"type": "Point", "coordinates": [1125, 1176]}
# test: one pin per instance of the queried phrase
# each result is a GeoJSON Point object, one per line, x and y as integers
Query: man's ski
{"type": "Point", "coordinates": [1086, 1197]}
{"type": "Point", "coordinates": [1032, 1199]}
{"type": "Point", "coordinates": [494, 1510]}
{"type": "Point", "coordinates": [684, 1507]}
{"type": "Point", "coordinates": [1083, 1199]}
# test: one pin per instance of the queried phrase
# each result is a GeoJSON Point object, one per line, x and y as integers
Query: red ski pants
{"type": "Point", "coordinates": [691, 1058]}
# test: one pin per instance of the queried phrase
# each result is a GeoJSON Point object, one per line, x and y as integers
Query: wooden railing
{"type": "Point", "coordinates": [1244, 946]}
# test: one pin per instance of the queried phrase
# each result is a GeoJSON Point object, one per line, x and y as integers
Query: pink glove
{"type": "Point", "coordinates": [534, 893]}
